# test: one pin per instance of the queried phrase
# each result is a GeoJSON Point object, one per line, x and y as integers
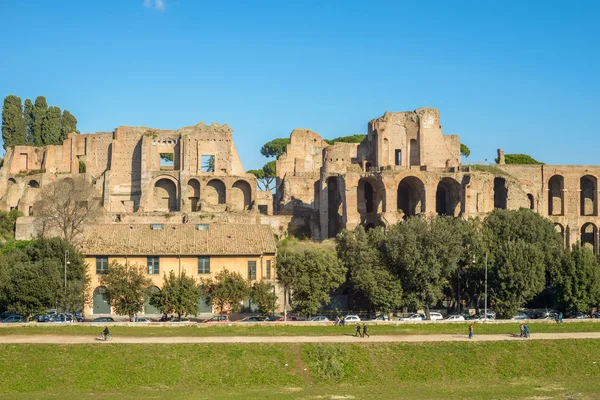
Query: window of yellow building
{"type": "Point", "coordinates": [153, 266]}
{"type": "Point", "coordinates": [204, 265]}
{"type": "Point", "coordinates": [101, 265]}
{"type": "Point", "coordinates": [268, 269]}
{"type": "Point", "coordinates": [252, 270]}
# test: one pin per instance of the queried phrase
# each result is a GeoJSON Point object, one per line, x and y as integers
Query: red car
{"type": "Point", "coordinates": [289, 318]}
{"type": "Point", "coordinates": [217, 318]}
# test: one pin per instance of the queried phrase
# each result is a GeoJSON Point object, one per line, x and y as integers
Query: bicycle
{"type": "Point", "coordinates": [105, 338]}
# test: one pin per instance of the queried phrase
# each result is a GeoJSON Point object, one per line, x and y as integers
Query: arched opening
{"type": "Point", "coordinates": [561, 231]}
{"type": "Point", "coordinates": [101, 302]}
{"type": "Point", "coordinates": [33, 184]}
{"type": "Point", "coordinates": [203, 307]}
{"type": "Point", "coordinates": [334, 207]}
{"type": "Point", "coordinates": [193, 193]}
{"type": "Point", "coordinates": [241, 195]}
{"type": "Point", "coordinates": [215, 192]}
{"type": "Point", "coordinates": [165, 195]}
{"type": "Point", "coordinates": [556, 185]}
{"type": "Point", "coordinates": [531, 201]}
{"type": "Point", "coordinates": [11, 180]}
{"type": "Point", "coordinates": [411, 196]}
{"type": "Point", "coordinates": [370, 195]}
{"type": "Point", "coordinates": [148, 308]}
{"type": "Point", "coordinates": [588, 236]}
{"type": "Point", "coordinates": [588, 190]}
{"type": "Point", "coordinates": [414, 152]}
{"type": "Point", "coordinates": [500, 193]}
{"type": "Point", "coordinates": [447, 197]}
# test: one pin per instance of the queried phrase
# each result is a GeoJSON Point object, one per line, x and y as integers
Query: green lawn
{"type": "Point", "coordinates": [276, 329]}
{"type": "Point", "coordinates": [471, 370]}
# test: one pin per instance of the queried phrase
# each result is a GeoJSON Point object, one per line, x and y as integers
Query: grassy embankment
{"type": "Point", "coordinates": [276, 329]}
{"type": "Point", "coordinates": [471, 370]}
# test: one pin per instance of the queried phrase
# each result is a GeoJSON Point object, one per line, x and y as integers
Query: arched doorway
{"type": "Point", "coordinates": [589, 232]}
{"type": "Point", "coordinates": [500, 193]}
{"type": "Point", "coordinates": [101, 302]}
{"type": "Point", "coordinates": [165, 195]}
{"type": "Point", "coordinates": [204, 308]}
{"type": "Point", "coordinates": [531, 200]}
{"type": "Point", "coordinates": [215, 192]}
{"type": "Point", "coordinates": [447, 197]}
{"type": "Point", "coordinates": [148, 308]}
{"type": "Point", "coordinates": [193, 193]}
{"type": "Point", "coordinates": [241, 195]}
{"type": "Point", "coordinates": [561, 231]}
{"type": "Point", "coordinates": [370, 201]}
{"type": "Point", "coordinates": [556, 185]}
{"type": "Point", "coordinates": [334, 207]}
{"type": "Point", "coordinates": [587, 186]}
{"type": "Point", "coordinates": [411, 196]}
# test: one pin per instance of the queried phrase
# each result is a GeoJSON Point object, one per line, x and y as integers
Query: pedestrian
{"type": "Point", "coordinates": [364, 332]}
{"type": "Point", "coordinates": [526, 330]}
{"type": "Point", "coordinates": [522, 329]}
{"type": "Point", "coordinates": [337, 321]}
{"type": "Point", "coordinates": [471, 331]}
{"type": "Point", "coordinates": [560, 317]}
{"type": "Point", "coordinates": [556, 317]}
{"type": "Point", "coordinates": [358, 331]}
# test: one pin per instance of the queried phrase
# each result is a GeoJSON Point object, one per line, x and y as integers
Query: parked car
{"type": "Point", "coordinates": [521, 316]}
{"type": "Point", "coordinates": [435, 316]}
{"type": "Point", "coordinates": [78, 315]}
{"type": "Point", "coordinates": [180, 320]}
{"type": "Point", "coordinates": [577, 315]}
{"type": "Point", "coordinates": [217, 318]}
{"type": "Point", "coordinates": [255, 318]}
{"type": "Point", "coordinates": [320, 318]}
{"type": "Point", "coordinates": [351, 318]}
{"type": "Point", "coordinates": [103, 319]}
{"type": "Point", "coordinates": [145, 320]}
{"type": "Point", "coordinates": [381, 318]}
{"type": "Point", "coordinates": [596, 314]}
{"type": "Point", "coordinates": [13, 319]}
{"type": "Point", "coordinates": [289, 318]}
{"type": "Point", "coordinates": [40, 318]}
{"type": "Point", "coordinates": [455, 318]}
{"type": "Point", "coordinates": [414, 317]}
{"type": "Point", "coordinates": [64, 318]}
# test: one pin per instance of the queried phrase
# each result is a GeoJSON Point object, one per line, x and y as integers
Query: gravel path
{"type": "Point", "coordinates": [64, 339]}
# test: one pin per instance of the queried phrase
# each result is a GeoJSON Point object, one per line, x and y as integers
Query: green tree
{"type": "Point", "coordinates": [358, 138]}
{"type": "Point", "coordinates": [51, 126]}
{"type": "Point", "coordinates": [179, 295]}
{"type": "Point", "coordinates": [28, 116]}
{"type": "Point", "coordinates": [464, 150]}
{"type": "Point", "coordinates": [126, 287]}
{"type": "Point", "coordinates": [578, 281]}
{"type": "Point", "coordinates": [310, 277]}
{"type": "Point", "coordinates": [209, 164]}
{"type": "Point", "coordinates": [40, 108]}
{"type": "Point", "coordinates": [275, 148]}
{"type": "Point", "coordinates": [263, 295]}
{"type": "Point", "coordinates": [368, 274]}
{"type": "Point", "coordinates": [520, 159]}
{"type": "Point", "coordinates": [68, 125]}
{"type": "Point", "coordinates": [13, 123]}
{"type": "Point", "coordinates": [8, 220]}
{"type": "Point", "coordinates": [265, 177]}
{"type": "Point", "coordinates": [226, 291]}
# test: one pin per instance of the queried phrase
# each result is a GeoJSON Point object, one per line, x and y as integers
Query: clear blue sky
{"type": "Point", "coordinates": [523, 75]}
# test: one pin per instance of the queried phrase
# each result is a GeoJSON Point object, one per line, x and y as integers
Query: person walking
{"type": "Point", "coordinates": [560, 318]}
{"type": "Point", "coordinates": [364, 332]}
{"type": "Point", "coordinates": [522, 329]}
{"type": "Point", "coordinates": [358, 331]}
{"type": "Point", "coordinates": [471, 331]}
{"type": "Point", "coordinates": [526, 329]}
{"type": "Point", "coordinates": [556, 317]}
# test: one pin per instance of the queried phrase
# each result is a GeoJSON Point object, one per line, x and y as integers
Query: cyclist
{"type": "Point", "coordinates": [105, 333]}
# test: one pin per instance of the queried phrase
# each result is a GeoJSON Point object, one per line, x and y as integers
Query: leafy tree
{"type": "Point", "coordinates": [67, 205]}
{"type": "Point", "coordinates": [68, 125]}
{"type": "Point", "coordinates": [209, 164]}
{"type": "Point", "coordinates": [13, 123]}
{"type": "Point", "coordinates": [368, 273]}
{"type": "Point", "coordinates": [275, 148]}
{"type": "Point", "coordinates": [126, 286]}
{"type": "Point", "coordinates": [40, 108]}
{"type": "Point", "coordinates": [51, 126]}
{"type": "Point", "coordinates": [464, 150]}
{"type": "Point", "coordinates": [358, 138]}
{"type": "Point", "coordinates": [310, 276]}
{"type": "Point", "coordinates": [28, 116]}
{"type": "Point", "coordinates": [265, 176]}
{"type": "Point", "coordinates": [179, 295]}
{"type": "Point", "coordinates": [226, 292]}
{"type": "Point", "coordinates": [263, 295]}
{"type": "Point", "coordinates": [520, 159]}
{"type": "Point", "coordinates": [7, 225]}
{"type": "Point", "coordinates": [578, 281]}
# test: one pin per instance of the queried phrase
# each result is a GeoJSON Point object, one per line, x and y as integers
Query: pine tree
{"type": "Point", "coordinates": [13, 124]}
{"type": "Point", "coordinates": [40, 108]}
{"type": "Point", "coordinates": [69, 124]}
{"type": "Point", "coordinates": [28, 116]}
{"type": "Point", "coordinates": [51, 126]}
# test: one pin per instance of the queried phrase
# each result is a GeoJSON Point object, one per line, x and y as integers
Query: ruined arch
{"type": "Point", "coordinates": [556, 185]}
{"type": "Point", "coordinates": [411, 196]}
{"type": "Point", "coordinates": [500, 193]}
{"type": "Point", "coordinates": [33, 184]}
{"type": "Point", "coordinates": [589, 234]}
{"type": "Point", "coordinates": [588, 186]}
{"type": "Point", "coordinates": [448, 197]}
{"type": "Point", "coordinates": [334, 206]}
{"type": "Point", "coordinates": [193, 194]}
{"type": "Point", "coordinates": [241, 195]}
{"type": "Point", "coordinates": [531, 200]}
{"type": "Point", "coordinates": [164, 196]}
{"type": "Point", "coordinates": [414, 152]}
{"type": "Point", "coordinates": [370, 195]}
{"type": "Point", "coordinates": [12, 180]}
{"type": "Point", "coordinates": [215, 192]}
{"type": "Point", "coordinates": [561, 231]}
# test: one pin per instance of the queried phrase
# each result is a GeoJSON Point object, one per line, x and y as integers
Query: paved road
{"type": "Point", "coordinates": [64, 339]}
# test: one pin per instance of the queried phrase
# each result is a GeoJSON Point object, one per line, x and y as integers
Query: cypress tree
{"type": "Point", "coordinates": [13, 123]}
{"type": "Point", "coordinates": [69, 124]}
{"type": "Point", "coordinates": [28, 116]}
{"type": "Point", "coordinates": [40, 108]}
{"type": "Point", "coordinates": [51, 126]}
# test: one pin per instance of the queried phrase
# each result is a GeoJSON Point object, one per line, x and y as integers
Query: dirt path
{"type": "Point", "coordinates": [64, 339]}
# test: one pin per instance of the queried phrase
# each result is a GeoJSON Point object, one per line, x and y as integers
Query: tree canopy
{"type": "Point", "coordinates": [126, 287]}
{"type": "Point", "coordinates": [275, 147]}
{"type": "Point", "coordinates": [520, 159]}
{"type": "Point", "coordinates": [265, 177]}
{"type": "Point", "coordinates": [464, 150]}
{"type": "Point", "coordinates": [225, 292]}
{"type": "Point", "coordinates": [357, 138]}
{"type": "Point", "coordinates": [179, 295]}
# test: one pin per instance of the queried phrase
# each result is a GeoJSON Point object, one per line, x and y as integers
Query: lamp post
{"type": "Point", "coordinates": [67, 262]}
{"type": "Point", "coordinates": [485, 304]}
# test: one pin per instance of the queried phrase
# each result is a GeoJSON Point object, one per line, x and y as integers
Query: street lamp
{"type": "Point", "coordinates": [67, 262]}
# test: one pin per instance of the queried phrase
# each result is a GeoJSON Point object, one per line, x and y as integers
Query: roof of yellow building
{"type": "Point", "coordinates": [218, 239]}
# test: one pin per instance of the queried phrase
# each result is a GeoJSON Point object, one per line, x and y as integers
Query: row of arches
{"type": "Point", "coordinates": [588, 195]}
{"type": "Point", "coordinates": [166, 194]}
{"type": "Point", "coordinates": [588, 235]}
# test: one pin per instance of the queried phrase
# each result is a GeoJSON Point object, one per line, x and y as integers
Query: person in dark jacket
{"type": "Point", "coordinates": [364, 331]}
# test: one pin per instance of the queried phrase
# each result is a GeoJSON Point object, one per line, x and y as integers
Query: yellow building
{"type": "Point", "coordinates": [201, 250]}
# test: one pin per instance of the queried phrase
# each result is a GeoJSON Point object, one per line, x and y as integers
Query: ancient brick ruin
{"type": "Point", "coordinates": [405, 166]}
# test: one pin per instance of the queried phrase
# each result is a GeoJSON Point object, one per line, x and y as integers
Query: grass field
{"type": "Point", "coordinates": [276, 329]}
{"type": "Point", "coordinates": [491, 370]}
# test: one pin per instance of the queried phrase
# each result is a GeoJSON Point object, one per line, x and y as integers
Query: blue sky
{"type": "Point", "coordinates": [523, 75]}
